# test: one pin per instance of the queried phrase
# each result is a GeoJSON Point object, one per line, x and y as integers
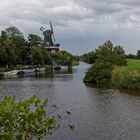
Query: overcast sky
{"type": "Point", "coordinates": [80, 25]}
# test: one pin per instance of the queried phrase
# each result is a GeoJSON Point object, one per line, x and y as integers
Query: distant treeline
{"type": "Point", "coordinates": [16, 50]}
{"type": "Point", "coordinates": [132, 56]}
{"type": "Point", "coordinates": [91, 57]}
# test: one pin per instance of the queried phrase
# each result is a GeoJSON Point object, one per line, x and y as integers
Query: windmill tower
{"type": "Point", "coordinates": [49, 40]}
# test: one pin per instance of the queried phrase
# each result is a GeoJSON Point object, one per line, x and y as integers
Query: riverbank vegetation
{"type": "Point", "coordinates": [88, 57]}
{"type": "Point", "coordinates": [28, 119]}
{"type": "Point", "coordinates": [127, 77]}
{"type": "Point", "coordinates": [16, 52]}
{"type": "Point", "coordinates": [65, 58]}
{"type": "Point", "coordinates": [134, 56]}
{"type": "Point", "coordinates": [111, 68]}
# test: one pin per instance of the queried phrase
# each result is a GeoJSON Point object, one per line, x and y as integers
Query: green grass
{"type": "Point", "coordinates": [133, 64]}
{"type": "Point", "coordinates": [127, 77]}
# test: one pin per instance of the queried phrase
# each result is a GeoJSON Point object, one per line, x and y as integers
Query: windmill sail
{"type": "Point", "coordinates": [52, 31]}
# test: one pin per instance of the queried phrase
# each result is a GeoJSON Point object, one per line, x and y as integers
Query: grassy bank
{"type": "Point", "coordinates": [133, 64]}
{"type": "Point", "coordinates": [127, 77]}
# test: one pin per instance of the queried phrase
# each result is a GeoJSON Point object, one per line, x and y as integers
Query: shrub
{"type": "Point", "coordinates": [107, 56]}
{"type": "Point", "coordinates": [99, 73]}
{"type": "Point", "coordinates": [25, 119]}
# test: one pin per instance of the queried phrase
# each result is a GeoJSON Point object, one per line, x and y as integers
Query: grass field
{"type": "Point", "coordinates": [133, 64]}
{"type": "Point", "coordinates": [127, 77]}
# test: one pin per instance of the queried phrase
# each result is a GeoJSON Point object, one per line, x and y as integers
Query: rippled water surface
{"type": "Point", "coordinates": [98, 114]}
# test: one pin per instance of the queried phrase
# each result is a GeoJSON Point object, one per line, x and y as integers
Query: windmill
{"type": "Point", "coordinates": [49, 39]}
{"type": "Point", "coordinates": [49, 43]}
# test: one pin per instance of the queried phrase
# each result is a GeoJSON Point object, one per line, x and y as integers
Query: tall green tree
{"type": "Point", "coordinates": [34, 40]}
{"type": "Point", "coordinates": [88, 57]}
{"type": "Point", "coordinates": [107, 56]}
{"type": "Point", "coordinates": [8, 54]}
{"type": "Point", "coordinates": [138, 54]}
{"type": "Point", "coordinates": [107, 52]}
{"type": "Point", "coordinates": [37, 57]}
{"type": "Point", "coordinates": [66, 58]}
{"type": "Point", "coordinates": [13, 32]}
{"type": "Point", "coordinates": [17, 38]}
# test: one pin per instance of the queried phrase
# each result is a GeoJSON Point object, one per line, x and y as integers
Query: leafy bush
{"type": "Point", "coordinates": [99, 73]}
{"type": "Point", "coordinates": [110, 54]}
{"type": "Point", "coordinates": [107, 56]}
{"type": "Point", "coordinates": [88, 57]}
{"type": "Point", "coordinates": [25, 119]}
{"type": "Point", "coordinates": [66, 59]}
{"type": "Point", "coordinates": [48, 69]}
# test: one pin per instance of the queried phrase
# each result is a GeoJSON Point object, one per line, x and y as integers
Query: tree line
{"type": "Point", "coordinates": [134, 56]}
{"type": "Point", "coordinates": [16, 50]}
{"type": "Point", "coordinates": [90, 57]}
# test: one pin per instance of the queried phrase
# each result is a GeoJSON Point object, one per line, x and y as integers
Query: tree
{"type": "Point", "coordinates": [130, 56]}
{"type": "Point", "coordinates": [37, 56]}
{"type": "Point", "coordinates": [15, 35]}
{"type": "Point", "coordinates": [65, 58]}
{"type": "Point", "coordinates": [8, 55]}
{"type": "Point", "coordinates": [111, 54]}
{"type": "Point", "coordinates": [14, 50]}
{"type": "Point", "coordinates": [13, 32]}
{"type": "Point", "coordinates": [3, 36]}
{"type": "Point", "coordinates": [99, 74]}
{"type": "Point", "coordinates": [3, 56]}
{"type": "Point", "coordinates": [18, 41]}
{"type": "Point", "coordinates": [34, 40]}
{"type": "Point", "coordinates": [119, 56]}
{"type": "Point", "coordinates": [138, 54]}
{"type": "Point", "coordinates": [107, 56]}
{"type": "Point", "coordinates": [88, 57]}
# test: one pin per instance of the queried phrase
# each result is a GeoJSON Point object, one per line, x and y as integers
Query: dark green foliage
{"type": "Point", "coordinates": [119, 56]}
{"type": "Point", "coordinates": [114, 55]}
{"type": "Point", "coordinates": [107, 56]}
{"type": "Point", "coordinates": [7, 52]}
{"type": "Point", "coordinates": [11, 45]}
{"type": "Point", "coordinates": [138, 54]}
{"type": "Point", "coordinates": [37, 57]}
{"type": "Point", "coordinates": [72, 127]}
{"type": "Point", "coordinates": [88, 57]}
{"type": "Point", "coordinates": [25, 119]}
{"type": "Point", "coordinates": [34, 40]}
{"type": "Point", "coordinates": [130, 56]}
{"type": "Point", "coordinates": [68, 112]}
{"type": "Point", "coordinates": [13, 32]}
{"type": "Point", "coordinates": [65, 58]}
{"type": "Point", "coordinates": [99, 73]}
{"type": "Point", "coordinates": [15, 50]}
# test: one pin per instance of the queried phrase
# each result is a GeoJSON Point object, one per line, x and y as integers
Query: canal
{"type": "Point", "coordinates": [98, 114]}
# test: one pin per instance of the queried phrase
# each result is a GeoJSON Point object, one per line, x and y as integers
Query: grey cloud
{"type": "Point", "coordinates": [83, 22]}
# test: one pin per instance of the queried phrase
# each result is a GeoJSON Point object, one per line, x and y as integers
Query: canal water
{"type": "Point", "coordinates": [98, 114]}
